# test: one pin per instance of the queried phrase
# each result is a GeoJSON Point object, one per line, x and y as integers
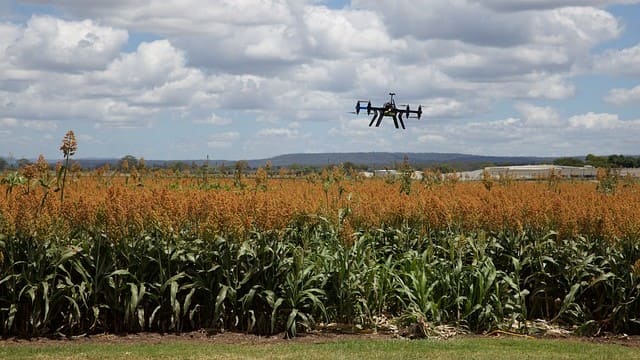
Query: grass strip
{"type": "Point", "coordinates": [460, 348]}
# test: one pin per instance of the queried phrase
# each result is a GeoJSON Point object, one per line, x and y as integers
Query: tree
{"type": "Point", "coordinates": [597, 161]}
{"type": "Point", "coordinates": [23, 162]}
{"type": "Point", "coordinates": [621, 161]}
{"type": "Point", "coordinates": [127, 162]}
{"type": "Point", "coordinates": [568, 161]}
{"type": "Point", "coordinates": [3, 164]}
{"type": "Point", "coordinates": [296, 169]}
{"type": "Point", "coordinates": [349, 166]}
{"type": "Point", "coordinates": [178, 166]}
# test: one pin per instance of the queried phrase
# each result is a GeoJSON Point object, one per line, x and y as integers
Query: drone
{"type": "Point", "coordinates": [389, 109]}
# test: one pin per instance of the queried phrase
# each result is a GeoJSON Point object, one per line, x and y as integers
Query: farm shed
{"type": "Point", "coordinates": [541, 171]}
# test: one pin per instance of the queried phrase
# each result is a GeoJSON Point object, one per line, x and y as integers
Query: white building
{"type": "Point", "coordinates": [540, 171]}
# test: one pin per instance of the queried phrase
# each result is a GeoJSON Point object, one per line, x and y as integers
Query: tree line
{"type": "Point", "coordinates": [611, 161]}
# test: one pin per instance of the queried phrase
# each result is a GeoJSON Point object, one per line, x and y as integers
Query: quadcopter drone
{"type": "Point", "coordinates": [388, 109]}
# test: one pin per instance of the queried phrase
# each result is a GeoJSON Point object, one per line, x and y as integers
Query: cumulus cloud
{"type": "Point", "coordinates": [480, 25]}
{"type": "Point", "coordinates": [621, 62]}
{"type": "Point", "coordinates": [523, 5]}
{"type": "Point", "coordinates": [40, 125]}
{"type": "Point", "coordinates": [602, 121]}
{"type": "Point", "coordinates": [214, 119]}
{"type": "Point", "coordinates": [278, 132]}
{"type": "Point", "coordinates": [538, 116]}
{"type": "Point", "coordinates": [282, 62]}
{"type": "Point", "coordinates": [441, 107]}
{"type": "Point", "coordinates": [624, 96]}
{"type": "Point", "coordinates": [48, 43]}
{"type": "Point", "coordinates": [431, 138]}
{"type": "Point", "coordinates": [152, 64]}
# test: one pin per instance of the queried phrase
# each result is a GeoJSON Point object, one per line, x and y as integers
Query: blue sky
{"type": "Point", "coordinates": [252, 79]}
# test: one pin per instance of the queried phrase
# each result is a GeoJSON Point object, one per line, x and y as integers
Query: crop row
{"type": "Point", "coordinates": [269, 255]}
{"type": "Point", "coordinates": [291, 280]}
{"type": "Point", "coordinates": [120, 209]}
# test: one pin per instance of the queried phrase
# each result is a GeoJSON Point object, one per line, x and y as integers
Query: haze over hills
{"type": "Point", "coordinates": [382, 159]}
{"type": "Point", "coordinates": [372, 160]}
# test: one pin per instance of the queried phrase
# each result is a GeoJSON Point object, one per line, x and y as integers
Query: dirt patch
{"type": "Point", "coordinates": [633, 341]}
{"type": "Point", "coordinates": [238, 338]}
{"type": "Point", "coordinates": [195, 337]}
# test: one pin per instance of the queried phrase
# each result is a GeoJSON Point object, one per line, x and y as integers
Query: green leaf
{"type": "Point", "coordinates": [187, 302]}
{"type": "Point", "coordinates": [291, 322]}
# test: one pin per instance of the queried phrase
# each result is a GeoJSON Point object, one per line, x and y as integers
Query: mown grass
{"type": "Point", "coordinates": [462, 348]}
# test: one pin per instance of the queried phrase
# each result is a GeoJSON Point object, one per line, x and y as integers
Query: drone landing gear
{"type": "Point", "coordinates": [377, 119]}
{"type": "Point", "coordinates": [399, 116]}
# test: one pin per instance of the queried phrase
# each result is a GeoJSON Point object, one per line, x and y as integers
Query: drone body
{"type": "Point", "coordinates": [389, 109]}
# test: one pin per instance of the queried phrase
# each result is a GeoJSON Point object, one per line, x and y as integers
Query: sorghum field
{"type": "Point", "coordinates": [162, 251]}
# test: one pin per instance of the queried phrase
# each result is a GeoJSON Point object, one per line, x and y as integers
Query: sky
{"type": "Point", "coordinates": [249, 79]}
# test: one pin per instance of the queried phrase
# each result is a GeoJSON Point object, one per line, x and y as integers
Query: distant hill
{"type": "Point", "coordinates": [382, 159]}
{"type": "Point", "coordinates": [372, 160]}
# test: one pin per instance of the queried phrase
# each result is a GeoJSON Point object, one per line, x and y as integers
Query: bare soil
{"type": "Point", "coordinates": [202, 337]}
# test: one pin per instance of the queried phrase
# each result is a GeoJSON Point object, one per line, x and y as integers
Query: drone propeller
{"type": "Point", "coordinates": [419, 112]}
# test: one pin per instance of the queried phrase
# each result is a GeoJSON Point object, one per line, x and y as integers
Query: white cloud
{"type": "Point", "coordinates": [298, 64]}
{"type": "Point", "coordinates": [152, 64]}
{"type": "Point", "coordinates": [538, 116]}
{"type": "Point", "coordinates": [446, 107]}
{"type": "Point", "coordinates": [624, 96]}
{"type": "Point", "coordinates": [49, 43]}
{"type": "Point", "coordinates": [8, 122]}
{"type": "Point", "coordinates": [355, 131]}
{"type": "Point", "coordinates": [431, 138]}
{"type": "Point", "coordinates": [473, 23]}
{"type": "Point", "coordinates": [623, 62]}
{"type": "Point", "coordinates": [214, 119]}
{"type": "Point", "coordinates": [550, 87]}
{"type": "Point", "coordinates": [523, 5]}
{"type": "Point", "coordinates": [278, 133]}
{"type": "Point", "coordinates": [592, 120]}
{"type": "Point", "coordinates": [40, 125]}
{"type": "Point", "coordinates": [337, 33]}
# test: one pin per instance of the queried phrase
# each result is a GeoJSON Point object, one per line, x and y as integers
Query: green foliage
{"type": "Point", "coordinates": [272, 282]}
{"type": "Point", "coordinates": [128, 162]}
{"type": "Point", "coordinates": [13, 180]}
{"type": "Point", "coordinates": [568, 161]}
{"type": "Point", "coordinates": [464, 347]}
{"type": "Point", "coordinates": [607, 181]}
